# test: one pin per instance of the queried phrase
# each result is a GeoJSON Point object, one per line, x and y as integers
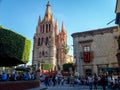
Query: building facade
{"type": "Point", "coordinates": [95, 49]}
{"type": "Point", "coordinates": [117, 21]}
{"type": "Point", "coordinates": [48, 40]}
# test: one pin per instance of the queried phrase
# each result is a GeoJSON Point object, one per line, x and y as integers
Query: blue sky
{"type": "Point", "coordinates": [21, 16]}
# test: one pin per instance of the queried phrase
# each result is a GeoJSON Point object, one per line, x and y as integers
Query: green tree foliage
{"type": "Point", "coordinates": [65, 48]}
{"type": "Point", "coordinates": [13, 46]}
{"type": "Point", "coordinates": [46, 66]}
{"type": "Point", "coordinates": [67, 66]}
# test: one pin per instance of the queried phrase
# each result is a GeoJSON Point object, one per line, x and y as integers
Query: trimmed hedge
{"type": "Point", "coordinates": [66, 66]}
{"type": "Point", "coordinates": [14, 46]}
{"type": "Point", "coordinates": [46, 66]}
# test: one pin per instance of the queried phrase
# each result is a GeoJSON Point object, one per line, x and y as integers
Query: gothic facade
{"type": "Point", "coordinates": [48, 40]}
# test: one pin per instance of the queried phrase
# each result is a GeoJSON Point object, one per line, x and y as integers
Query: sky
{"type": "Point", "coordinates": [21, 16]}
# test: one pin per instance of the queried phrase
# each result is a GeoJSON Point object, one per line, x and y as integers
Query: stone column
{"type": "Point", "coordinates": [81, 67]}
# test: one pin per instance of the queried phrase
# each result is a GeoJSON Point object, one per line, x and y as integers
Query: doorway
{"type": "Point", "coordinates": [88, 72]}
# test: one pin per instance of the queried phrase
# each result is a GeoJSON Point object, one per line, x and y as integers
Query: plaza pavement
{"type": "Point", "coordinates": [41, 87]}
{"type": "Point", "coordinates": [65, 87]}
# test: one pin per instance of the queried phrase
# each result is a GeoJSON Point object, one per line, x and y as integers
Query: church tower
{"type": "Point", "coordinates": [47, 40]}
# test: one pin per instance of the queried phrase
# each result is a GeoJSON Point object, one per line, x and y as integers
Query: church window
{"type": "Point", "coordinates": [42, 53]}
{"type": "Point", "coordinates": [43, 28]}
{"type": "Point", "coordinates": [49, 27]}
{"type": "Point", "coordinates": [46, 43]}
{"type": "Point", "coordinates": [38, 41]}
{"type": "Point", "coordinates": [46, 28]}
{"type": "Point", "coordinates": [42, 41]}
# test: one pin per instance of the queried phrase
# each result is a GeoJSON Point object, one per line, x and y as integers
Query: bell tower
{"type": "Point", "coordinates": [44, 49]}
{"type": "Point", "coordinates": [48, 41]}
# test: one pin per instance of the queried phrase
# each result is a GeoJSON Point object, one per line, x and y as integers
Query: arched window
{"type": "Point", "coordinates": [49, 27]}
{"type": "Point", "coordinates": [46, 28]}
{"type": "Point", "coordinates": [46, 43]}
{"type": "Point", "coordinates": [42, 41]}
{"type": "Point", "coordinates": [43, 28]}
{"type": "Point", "coordinates": [40, 28]}
{"type": "Point", "coordinates": [38, 41]}
{"type": "Point", "coordinates": [42, 53]}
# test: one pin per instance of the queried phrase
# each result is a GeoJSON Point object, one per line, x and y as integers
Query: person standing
{"type": "Point", "coordinates": [53, 79]}
{"type": "Point", "coordinates": [103, 82]}
{"type": "Point", "coordinates": [95, 80]}
{"type": "Point", "coordinates": [4, 76]}
{"type": "Point", "coordinates": [90, 81]}
{"type": "Point", "coordinates": [72, 80]}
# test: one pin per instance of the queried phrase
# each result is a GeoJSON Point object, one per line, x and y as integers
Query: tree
{"type": "Point", "coordinates": [14, 48]}
{"type": "Point", "coordinates": [65, 49]}
{"type": "Point", "coordinates": [67, 66]}
{"type": "Point", "coordinates": [46, 66]}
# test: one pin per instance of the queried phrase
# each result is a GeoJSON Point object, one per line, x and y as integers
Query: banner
{"type": "Point", "coordinates": [86, 57]}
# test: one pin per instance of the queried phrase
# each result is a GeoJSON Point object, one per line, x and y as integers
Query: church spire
{"type": "Point", "coordinates": [39, 20]}
{"type": "Point", "coordinates": [62, 28]}
{"type": "Point", "coordinates": [48, 13]}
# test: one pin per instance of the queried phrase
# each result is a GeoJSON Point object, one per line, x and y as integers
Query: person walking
{"type": "Point", "coordinates": [47, 80]}
{"type": "Point", "coordinates": [50, 80]}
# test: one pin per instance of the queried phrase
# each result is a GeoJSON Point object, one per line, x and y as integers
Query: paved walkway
{"type": "Point", "coordinates": [66, 87]}
{"type": "Point", "coordinates": [41, 87]}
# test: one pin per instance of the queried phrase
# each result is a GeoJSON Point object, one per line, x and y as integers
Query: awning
{"type": "Point", "coordinates": [109, 69]}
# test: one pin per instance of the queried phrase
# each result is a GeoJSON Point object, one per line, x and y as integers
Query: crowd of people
{"type": "Point", "coordinates": [15, 76]}
{"type": "Point", "coordinates": [93, 81]}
